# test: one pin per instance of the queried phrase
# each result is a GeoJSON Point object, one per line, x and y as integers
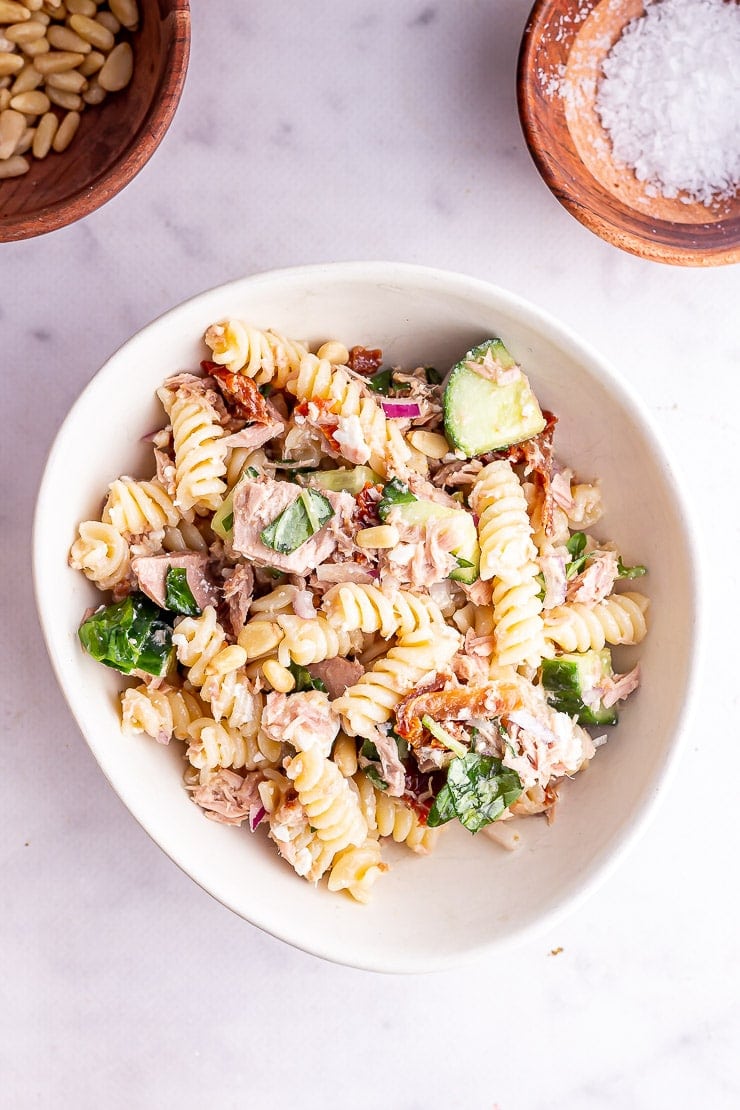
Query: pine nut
{"type": "Point", "coordinates": [33, 102]}
{"type": "Point", "coordinates": [92, 63]}
{"type": "Point", "coordinates": [45, 133]}
{"type": "Point", "coordinates": [33, 49]}
{"type": "Point", "coordinates": [10, 63]}
{"type": "Point", "coordinates": [10, 12]}
{"type": "Point", "coordinates": [41, 17]}
{"type": "Point", "coordinates": [26, 140]}
{"type": "Point", "coordinates": [15, 166]}
{"type": "Point", "coordinates": [230, 658]}
{"type": "Point", "coordinates": [12, 126]}
{"type": "Point", "coordinates": [260, 637]}
{"type": "Point", "coordinates": [116, 73]}
{"type": "Point", "coordinates": [92, 31]}
{"type": "Point", "coordinates": [71, 81]}
{"type": "Point", "coordinates": [64, 39]}
{"type": "Point", "coordinates": [24, 32]}
{"type": "Point", "coordinates": [93, 94]}
{"type": "Point", "coordinates": [108, 20]}
{"type": "Point", "coordinates": [6, 46]}
{"type": "Point", "coordinates": [278, 676]}
{"type": "Point", "coordinates": [29, 78]}
{"type": "Point", "coordinates": [67, 100]}
{"type": "Point", "coordinates": [57, 61]}
{"type": "Point", "coordinates": [431, 444]}
{"type": "Point", "coordinates": [33, 5]}
{"type": "Point", "coordinates": [126, 11]}
{"type": "Point", "coordinates": [82, 7]}
{"type": "Point", "coordinates": [334, 351]}
{"type": "Point", "coordinates": [385, 535]}
{"type": "Point", "coordinates": [66, 131]}
{"type": "Point", "coordinates": [4, 99]}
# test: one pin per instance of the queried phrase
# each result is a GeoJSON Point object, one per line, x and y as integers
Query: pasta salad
{"type": "Point", "coordinates": [367, 599]}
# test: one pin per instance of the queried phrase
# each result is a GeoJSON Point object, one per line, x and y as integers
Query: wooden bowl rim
{"type": "Point", "coordinates": [609, 230]}
{"type": "Point", "coordinates": [141, 146]}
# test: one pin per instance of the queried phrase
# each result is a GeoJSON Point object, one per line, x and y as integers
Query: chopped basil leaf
{"type": "Point", "coordinates": [433, 376]}
{"type": "Point", "coordinates": [304, 680]}
{"type": "Point", "coordinates": [403, 747]}
{"type": "Point", "coordinates": [375, 779]}
{"type": "Point", "coordinates": [179, 597]}
{"type": "Point", "coordinates": [576, 549]}
{"type": "Point", "coordinates": [302, 519]}
{"type": "Point", "coordinates": [443, 736]}
{"type": "Point", "coordinates": [133, 634]}
{"type": "Point", "coordinates": [629, 572]}
{"type": "Point", "coordinates": [369, 751]}
{"type": "Point", "coordinates": [463, 562]}
{"type": "Point", "coordinates": [394, 493]}
{"type": "Point", "coordinates": [382, 382]}
{"type": "Point", "coordinates": [266, 389]}
{"type": "Point", "coordinates": [228, 522]}
{"type": "Point", "coordinates": [478, 790]}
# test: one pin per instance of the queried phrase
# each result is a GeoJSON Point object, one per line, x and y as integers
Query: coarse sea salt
{"type": "Point", "coordinates": [669, 99]}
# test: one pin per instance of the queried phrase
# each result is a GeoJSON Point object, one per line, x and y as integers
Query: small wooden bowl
{"type": "Point", "coordinates": [113, 140]}
{"type": "Point", "coordinates": [567, 41]}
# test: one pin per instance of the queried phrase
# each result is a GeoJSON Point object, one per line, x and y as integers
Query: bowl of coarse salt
{"type": "Point", "coordinates": [631, 111]}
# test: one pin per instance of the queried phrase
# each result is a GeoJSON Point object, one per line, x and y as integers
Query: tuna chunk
{"type": "Point", "coordinates": [227, 797]}
{"type": "Point", "coordinates": [151, 573]}
{"type": "Point", "coordinates": [258, 503]}
{"type": "Point", "coordinates": [336, 674]}
{"type": "Point", "coordinates": [301, 719]}
{"type": "Point", "coordinates": [238, 591]}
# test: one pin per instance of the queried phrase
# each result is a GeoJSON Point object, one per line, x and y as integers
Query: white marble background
{"type": "Point", "coordinates": [311, 132]}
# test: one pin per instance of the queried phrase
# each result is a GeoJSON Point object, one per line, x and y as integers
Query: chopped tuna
{"type": "Point", "coordinates": [596, 581]}
{"type": "Point", "coordinates": [228, 797]}
{"type": "Point", "coordinates": [151, 574]}
{"type": "Point", "coordinates": [238, 593]}
{"type": "Point", "coordinates": [337, 674]}
{"type": "Point", "coordinates": [301, 719]}
{"type": "Point", "coordinates": [393, 770]}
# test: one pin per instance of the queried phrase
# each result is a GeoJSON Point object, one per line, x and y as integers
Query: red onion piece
{"type": "Point", "coordinates": [256, 813]}
{"type": "Point", "coordinates": [400, 409]}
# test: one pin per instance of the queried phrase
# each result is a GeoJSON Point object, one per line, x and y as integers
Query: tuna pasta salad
{"type": "Point", "coordinates": [367, 599]}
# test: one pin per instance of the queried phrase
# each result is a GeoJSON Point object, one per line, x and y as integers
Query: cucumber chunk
{"type": "Point", "coordinates": [466, 550]}
{"type": "Point", "coordinates": [482, 415]}
{"type": "Point", "coordinates": [352, 480]}
{"type": "Point", "coordinates": [569, 680]}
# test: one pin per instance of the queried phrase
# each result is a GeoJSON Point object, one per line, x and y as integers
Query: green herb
{"type": "Point", "coordinates": [463, 562]}
{"type": "Point", "coordinates": [266, 389]}
{"type": "Point", "coordinates": [443, 736]}
{"type": "Point", "coordinates": [295, 525]}
{"type": "Point", "coordinates": [403, 747]}
{"type": "Point", "coordinates": [540, 579]}
{"type": "Point", "coordinates": [179, 597]}
{"type": "Point", "coordinates": [629, 572]}
{"type": "Point", "coordinates": [133, 634]}
{"type": "Point", "coordinates": [576, 549]}
{"type": "Point", "coordinates": [433, 376]}
{"type": "Point", "coordinates": [478, 790]}
{"type": "Point", "coordinates": [375, 779]}
{"type": "Point", "coordinates": [394, 493]}
{"type": "Point", "coordinates": [304, 680]}
{"type": "Point", "coordinates": [382, 382]}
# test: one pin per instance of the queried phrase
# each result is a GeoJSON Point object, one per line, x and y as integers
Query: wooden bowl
{"type": "Point", "coordinates": [113, 140]}
{"type": "Point", "coordinates": [567, 41]}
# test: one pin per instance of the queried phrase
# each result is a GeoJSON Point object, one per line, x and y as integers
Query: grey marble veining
{"type": "Point", "coordinates": [309, 133]}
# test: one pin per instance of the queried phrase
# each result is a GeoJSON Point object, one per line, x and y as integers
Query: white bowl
{"type": "Point", "coordinates": [470, 896]}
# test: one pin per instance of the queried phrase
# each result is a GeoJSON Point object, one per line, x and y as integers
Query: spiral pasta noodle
{"type": "Point", "coordinates": [371, 701]}
{"type": "Point", "coordinates": [101, 553]}
{"type": "Point", "coordinates": [356, 869]}
{"type": "Point", "coordinates": [393, 818]}
{"type": "Point", "coordinates": [311, 640]}
{"type": "Point", "coordinates": [504, 530]}
{"type": "Point", "coordinates": [134, 507]}
{"type": "Point", "coordinates": [200, 641]}
{"type": "Point", "coordinates": [618, 619]}
{"type": "Point", "coordinates": [352, 606]}
{"type": "Point", "coordinates": [215, 744]}
{"type": "Point", "coordinates": [330, 804]}
{"type": "Point", "coordinates": [517, 608]}
{"type": "Point", "coordinates": [262, 355]}
{"type": "Point", "coordinates": [160, 712]}
{"type": "Point", "coordinates": [199, 451]}
{"type": "Point", "coordinates": [348, 398]}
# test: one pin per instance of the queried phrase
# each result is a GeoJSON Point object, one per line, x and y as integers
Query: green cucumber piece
{"type": "Point", "coordinates": [350, 480]}
{"type": "Point", "coordinates": [481, 415]}
{"type": "Point", "coordinates": [566, 679]}
{"type": "Point", "coordinates": [467, 551]}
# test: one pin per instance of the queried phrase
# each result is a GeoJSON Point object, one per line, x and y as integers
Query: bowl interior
{"type": "Point", "coordinates": [114, 140]}
{"type": "Point", "coordinates": [469, 895]}
{"type": "Point", "coordinates": [564, 45]}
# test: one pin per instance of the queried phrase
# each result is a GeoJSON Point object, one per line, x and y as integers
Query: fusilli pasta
{"type": "Point", "coordinates": [101, 553]}
{"type": "Point", "coordinates": [618, 619]}
{"type": "Point", "coordinates": [351, 606]}
{"type": "Point", "coordinates": [262, 355]}
{"type": "Point", "coordinates": [133, 507]}
{"type": "Point", "coordinates": [504, 530]}
{"type": "Point", "coordinates": [199, 451]}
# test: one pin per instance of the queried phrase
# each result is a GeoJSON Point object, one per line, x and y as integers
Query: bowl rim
{"type": "Point", "coordinates": [547, 165]}
{"type": "Point", "coordinates": [154, 126]}
{"type": "Point", "coordinates": [552, 329]}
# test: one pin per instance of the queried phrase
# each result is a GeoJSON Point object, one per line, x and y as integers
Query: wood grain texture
{"type": "Point", "coordinates": [114, 140]}
{"type": "Point", "coordinates": [568, 40]}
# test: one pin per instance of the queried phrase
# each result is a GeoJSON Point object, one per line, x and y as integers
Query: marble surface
{"type": "Point", "coordinates": [343, 131]}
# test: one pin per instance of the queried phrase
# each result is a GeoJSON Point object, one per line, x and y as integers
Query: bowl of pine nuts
{"type": "Point", "coordinates": [88, 89]}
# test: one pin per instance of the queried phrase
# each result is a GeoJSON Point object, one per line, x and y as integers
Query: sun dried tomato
{"type": "Point", "coordinates": [241, 395]}
{"type": "Point", "coordinates": [365, 361]}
